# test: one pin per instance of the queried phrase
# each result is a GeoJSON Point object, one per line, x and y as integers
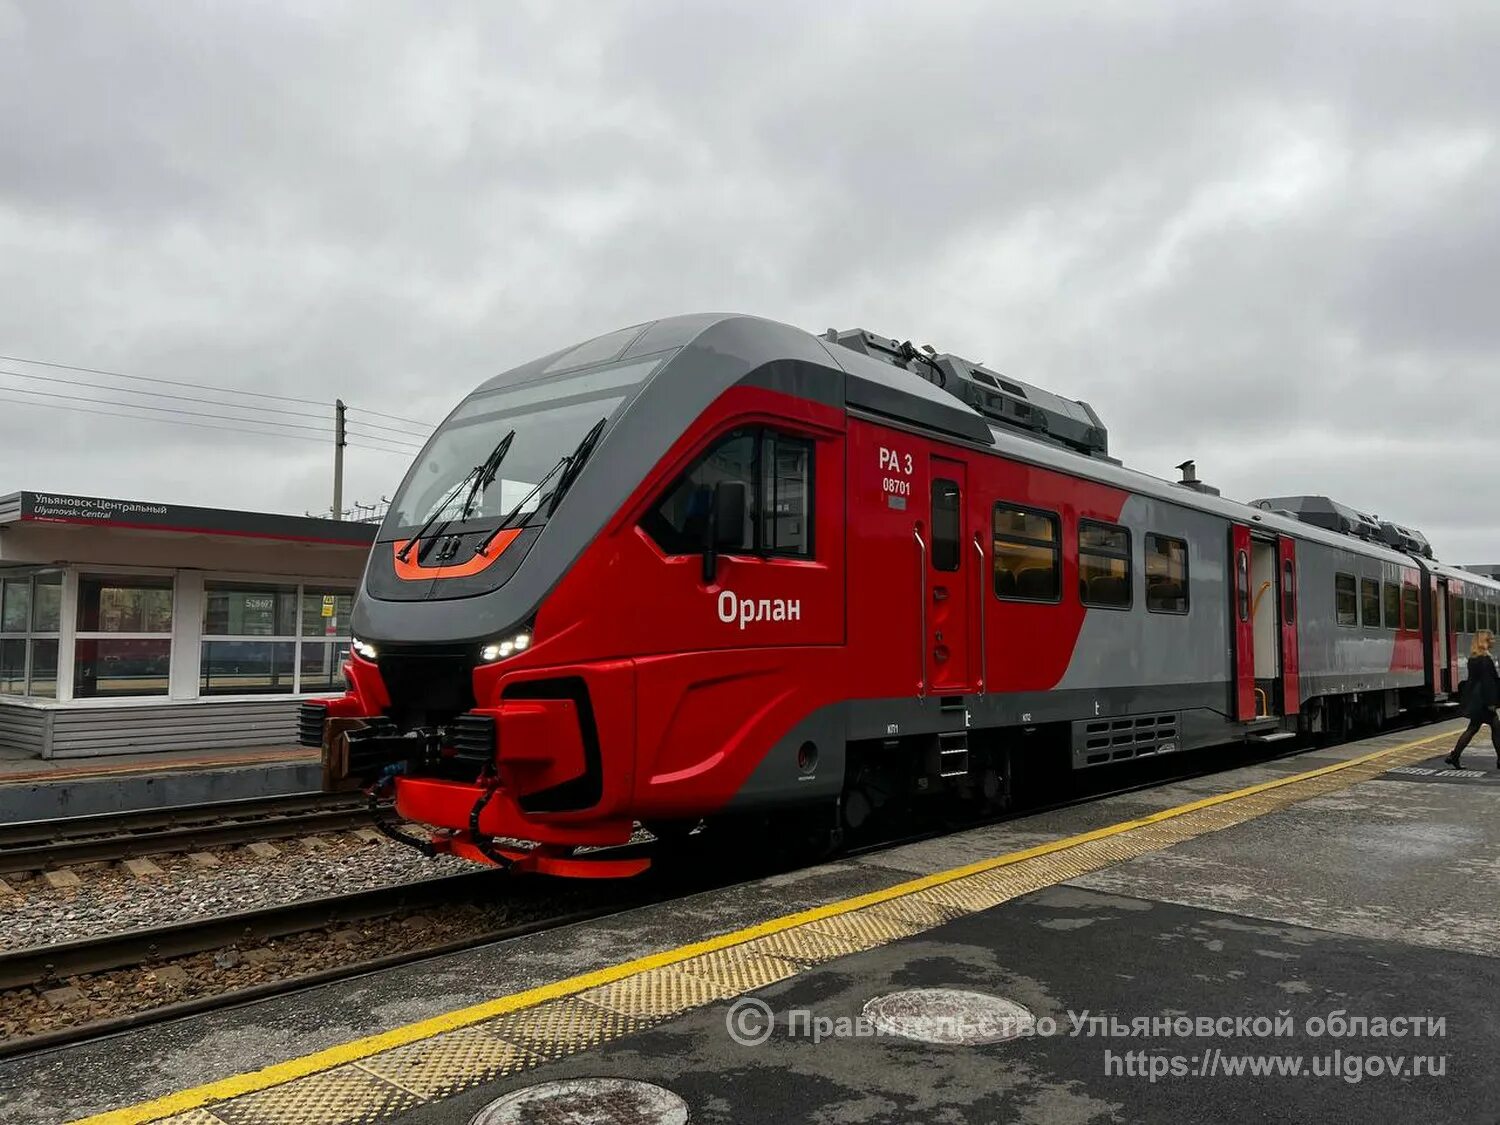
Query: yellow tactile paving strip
{"type": "Point", "coordinates": [382, 1076]}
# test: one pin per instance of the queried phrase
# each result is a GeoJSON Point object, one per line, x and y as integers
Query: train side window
{"type": "Point", "coordinates": [1369, 597]}
{"type": "Point", "coordinates": [1392, 606]}
{"type": "Point", "coordinates": [1167, 576]}
{"type": "Point", "coordinates": [777, 471]}
{"type": "Point", "coordinates": [945, 524]}
{"type": "Point", "coordinates": [1455, 614]}
{"type": "Point", "coordinates": [1411, 614]}
{"type": "Point", "coordinates": [1345, 600]}
{"type": "Point", "coordinates": [1027, 550]}
{"type": "Point", "coordinates": [1288, 592]}
{"type": "Point", "coordinates": [1470, 624]}
{"type": "Point", "coordinates": [1103, 565]}
{"type": "Point", "coordinates": [786, 495]}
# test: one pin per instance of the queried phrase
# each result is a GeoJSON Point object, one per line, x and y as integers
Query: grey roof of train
{"type": "Point", "coordinates": [894, 394]}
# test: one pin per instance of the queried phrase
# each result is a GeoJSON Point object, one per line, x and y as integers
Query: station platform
{"type": "Point", "coordinates": [1312, 938]}
{"type": "Point", "coordinates": [34, 788]}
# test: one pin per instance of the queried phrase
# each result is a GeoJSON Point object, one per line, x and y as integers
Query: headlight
{"type": "Point", "coordinates": [499, 650]}
{"type": "Point", "coordinates": [363, 648]}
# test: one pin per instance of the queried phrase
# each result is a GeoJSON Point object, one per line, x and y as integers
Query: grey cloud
{"type": "Point", "coordinates": [1265, 236]}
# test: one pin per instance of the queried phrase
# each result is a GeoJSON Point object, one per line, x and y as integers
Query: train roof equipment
{"type": "Point", "coordinates": [1321, 511]}
{"type": "Point", "coordinates": [1405, 539]}
{"type": "Point", "coordinates": [1329, 514]}
{"type": "Point", "coordinates": [1020, 406]}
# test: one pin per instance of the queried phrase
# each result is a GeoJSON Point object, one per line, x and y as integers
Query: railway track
{"type": "Point", "coordinates": [45, 844]}
{"type": "Point", "coordinates": [55, 964]}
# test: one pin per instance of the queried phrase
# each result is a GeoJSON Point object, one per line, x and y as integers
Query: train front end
{"type": "Point", "coordinates": [474, 701]}
{"type": "Point", "coordinates": [542, 653]}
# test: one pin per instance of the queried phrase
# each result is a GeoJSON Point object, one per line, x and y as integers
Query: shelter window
{"type": "Point", "coordinates": [1392, 606]}
{"type": "Point", "coordinates": [1167, 575]}
{"type": "Point", "coordinates": [1103, 565]}
{"type": "Point", "coordinates": [777, 471]}
{"type": "Point", "coordinates": [1027, 549]}
{"type": "Point", "coordinates": [1369, 596]}
{"type": "Point", "coordinates": [123, 645]}
{"type": "Point", "coordinates": [1411, 615]}
{"type": "Point", "coordinates": [1345, 599]}
{"type": "Point", "coordinates": [30, 616]}
{"type": "Point", "coordinates": [268, 639]}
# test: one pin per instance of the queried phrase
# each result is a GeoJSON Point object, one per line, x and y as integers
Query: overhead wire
{"type": "Point", "coordinates": [378, 414]}
{"type": "Point", "coordinates": [171, 410]}
{"type": "Point", "coordinates": [378, 426]}
{"type": "Point", "coordinates": [156, 394]}
{"type": "Point", "coordinates": [149, 418]}
{"type": "Point", "coordinates": [407, 453]}
{"type": "Point", "coordinates": [412, 445]}
{"type": "Point", "coordinates": [392, 440]}
{"type": "Point", "coordinates": [153, 379]}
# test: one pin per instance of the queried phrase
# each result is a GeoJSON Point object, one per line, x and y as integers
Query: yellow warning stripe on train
{"type": "Point", "coordinates": [368, 1046]}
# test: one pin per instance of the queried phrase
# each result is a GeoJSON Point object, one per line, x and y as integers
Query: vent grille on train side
{"type": "Point", "coordinates": [310, 719]}
{"type": "Point", "coordinates": [1097, 742]}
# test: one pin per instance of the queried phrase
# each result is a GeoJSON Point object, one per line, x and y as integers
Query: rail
{"type": "Point", "coordinates": [39, 844]}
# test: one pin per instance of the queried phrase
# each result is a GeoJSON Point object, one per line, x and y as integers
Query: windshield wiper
{"type": "Point", "coordinates": [570, 464]}
{"type": "Point", "coordinates": [575, 464]}
{"type": "Point", "coordinates": [480, 477]}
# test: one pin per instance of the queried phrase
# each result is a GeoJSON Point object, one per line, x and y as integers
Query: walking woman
{"type": "Point", "coordinates": [1481, 694]}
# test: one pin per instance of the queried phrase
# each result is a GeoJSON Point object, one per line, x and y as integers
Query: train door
{"type": "Point", "coordinates": [1291, 699]}
{"type": "Point", "coordinates": [1440, 636]}
{"type": "Point", "coordinates": [1455, 626]}
{"type": "Point", "coordinates": [1265, 612]}
{"type": "Point", "coordinates": [950, 581]}
{"type": "Point", "coordinates": [1241, 627]}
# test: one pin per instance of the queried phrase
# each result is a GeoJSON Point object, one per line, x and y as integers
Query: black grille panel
{"type": "Point", "coordinates": [310, 718]}
{"type": "Point", "coordinates": [473, 738]}
{"type": "Point", "coordinates": [1097, 742]}
{"type": "Point", "coordinates": [428, 686]}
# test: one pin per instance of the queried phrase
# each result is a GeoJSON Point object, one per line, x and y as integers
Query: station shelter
{"type": "Point", "coordinates": [130, 626]}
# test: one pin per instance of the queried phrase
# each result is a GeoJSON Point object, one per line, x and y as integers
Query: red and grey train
{"type": "Point", "coordinates": [715, 565]}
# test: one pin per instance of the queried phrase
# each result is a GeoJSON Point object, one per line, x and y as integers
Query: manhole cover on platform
{"type": "Point", "coordinates": [586, 1101]}
{"type": "Point", "coordinates": [949, 1016]}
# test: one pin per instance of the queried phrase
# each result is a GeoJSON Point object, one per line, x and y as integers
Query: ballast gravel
{"type": "Point", "coordinates": [105, 899]}
{"type": "Point", "coordinates": [85, 999]}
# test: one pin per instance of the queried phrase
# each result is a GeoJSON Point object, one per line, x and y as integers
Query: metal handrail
{"type": "Point", "coordinates": [983, 667]}
{"type": "Point", "coordinates": [921, 613]}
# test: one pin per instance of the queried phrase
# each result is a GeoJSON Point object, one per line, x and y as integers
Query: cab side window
{"type": "Point", "coordinates": [777, 472]}
{"type": "Point", "coordinates": [785, 501]}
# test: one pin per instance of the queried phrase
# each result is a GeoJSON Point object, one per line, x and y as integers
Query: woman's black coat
{"type": "Point", "coordinates": [1482, 688]}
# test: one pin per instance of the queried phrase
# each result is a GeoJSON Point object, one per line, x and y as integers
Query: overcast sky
{"type": "Point", "coordinates": [1265, 236]}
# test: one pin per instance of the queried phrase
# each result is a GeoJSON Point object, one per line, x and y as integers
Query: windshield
{"type": "Point", "coordinates": [549, 414]}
